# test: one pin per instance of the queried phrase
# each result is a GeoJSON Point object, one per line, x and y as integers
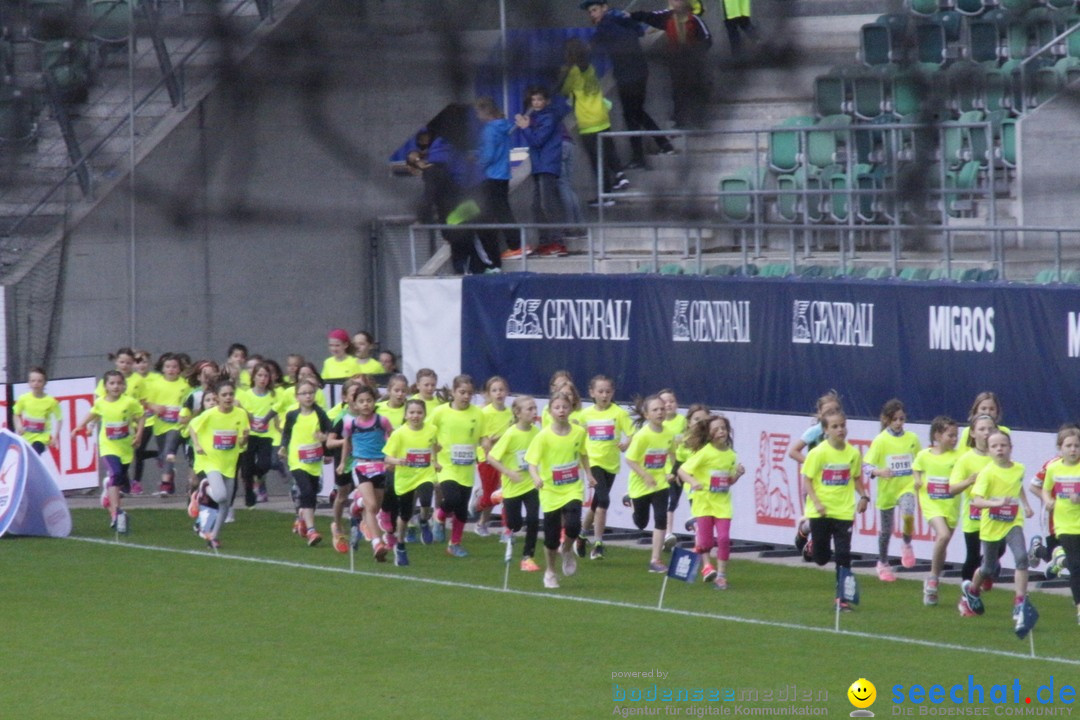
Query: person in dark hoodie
{"type": "Point", "coordinates": [688, 42]}
{"type": "Point", "coordinates": [619, 35]}
{"type": "Point", "coordinates": [541, 126]}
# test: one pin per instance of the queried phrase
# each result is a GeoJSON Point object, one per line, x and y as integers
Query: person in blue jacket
{"type": "Point", "coordinates": [541, 126]}
{"type": "Point", "coordinates": [493, 157]}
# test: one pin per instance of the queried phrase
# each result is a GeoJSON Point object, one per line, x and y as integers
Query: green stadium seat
{"type": "Point", "coordinates": [1071, 277]}
{"type": "Point", "coordinates": [721, 270]}
{"type": "Point", "coordinates": [915, 273]}
{"type": "Point", "coordinates": [984, 38]}
{"type": "Point", "coordinates": [740, 208]}
{"type": "Point", "coordinates": [1015, 6]}
{"type": "Point", "coordinates": [672, 269]}
{"type": "Point", "coordinates": [938, 273]}
{"type": "Point", "coordinates": [646, 268]}
{"type": "Point", "coordinates": [111, 21]}
{"type": "Point", "coordinates": [878, 272]}
{"type": "Point", "coordinates": [923, 7]}
{"type": "Point", "coordinates": [749, 269]}
{"type": "Point", "coordinates": [811, 271]}
{"type": "Point", "coordinates": [970, 8]}
{"type": "Point", "coordinates": [869, 98]}
{"type": "Point", "coordinates": [830, 94]}
{"type": "Point", "coordinates": [858, 271]}
{"type": "Point", "coordinates": [785, 146]}
{"type": "Point", "coordinates": [1008, 142]}
{"type": "Point", "coordinates": [776, 270]}
{"type": "Point", "coordinates": [990, 275]}
{"type": "Point", "coordinates": [790, 205]}
{"type": "Point", "coordinates": [823, 145]}
{"type": "Point", "coordinates": [1046, 276]}
{"type": "Point", "coordinates": [875, 44]}
{"type": "Point", "coordinates": [967, 274]}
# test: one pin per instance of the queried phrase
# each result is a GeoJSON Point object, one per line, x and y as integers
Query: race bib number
{"type": "Point", "coordinates": [260, 424]}
{"type": "Point", "coordinates": [370, 469]}
{"type": "Point", "coordinates": [655, 459]}
{"type": "Point", "coordinates": [565, 474]}
{"type": "Point", "coordinates": [899, 464]}
{"type": "Point", "coordinates": [224, 439]}
{"type": "Point", "coordinates": [1005, 513]}
{"type": "Point", "coordinates": [938, 488]}
{"type": "Point", "coordinates": [836, 476]}
{"type": "Point", "coordinates": [312, 453]}
{"type": "Point", "coordinates": [117, 431]}
{"type": "Point", "coordinates": [462, 454]}
{"type": "Point", "coordinates": [170, 414]}
{"type": "Point", "coordinates": [1066, 489]}
{"type": "Point", "coordinates": [601, 430]}
{"type": "Point", "coordinates": [720, 481]}
{"type": "Point", "coordinates": [522, 465]}
{"type": "Point", "coordinates": [417, 458]}
{"type": "Point", "coordinates": [974, 513]}
{"type": "Point", "coordinates": [33, 425]}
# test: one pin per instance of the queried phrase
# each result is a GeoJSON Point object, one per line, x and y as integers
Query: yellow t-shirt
{"type": "Point", "coordinates": [134, 387]}
{"type": "Point", "coordinates": [970, 463]}
{"type": "Point", "coordinates": [287, 400]}
{"type": "Point", "coordinates": [116, 436]}
{"type": "Point", "coordinates": [343, 369]}
{"type": "Point", "coordinates": [714, 469]}
{"type": "Point", "coordinates": [496, 422]}
{"type": "Point", "coordinates": [371, 366]}
{"type": "Point", "coordinates": [396, 416]}
{"type": "Point", "coordinates": [896, 454]}
{"type": "Point", "coordinates": [510, 451]}
{"type": "Point", "coordinates": [833, 475]}
{"type": "Point", "coordinates": [220, 435]}
{"type": "Point", "coordinates": [590, 106]}
{"type": "Point", "coordinates": [652, 451]}
{"type": "Point", "coordinates": [429, 404]}
{"type": "Point", "coordinates": [260, 410]}
{"type": "Point", "coordinates": [39, 416]}
{"type": "Point", "coordinates": [1063, 482]}
{"type": "Point", "coordinates": [558, 461]}
{"type": "Point", "coordinates": [965, 433]}
{"type": "Point", "coordinates": [306, 450]}
{"type": "Point", "coordinates": [458, 434]}
{"type": "Point", "coordinates": [603, 431]}
{"type": "Point", "coordinates": [415, 448]}
{"type": "Point", "coordinates": [995, 481]}
{"type": "Point", "coordinates": [171, 395]}
{"type": "Point", "coordinates": [574, 418]}
{"type": "Point", "coordinates": [934, 470]}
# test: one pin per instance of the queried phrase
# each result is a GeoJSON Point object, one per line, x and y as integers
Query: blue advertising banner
{"type": "Point", "coordinates": [775, 345]}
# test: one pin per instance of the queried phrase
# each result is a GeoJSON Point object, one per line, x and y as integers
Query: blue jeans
{"type": "Point", "coordinates": [569, 198]}
{"type": "Point", "coordinates": [547, 206]}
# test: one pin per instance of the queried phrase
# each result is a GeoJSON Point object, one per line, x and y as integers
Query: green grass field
{"type": "Point", "coordinates": [103, 630]}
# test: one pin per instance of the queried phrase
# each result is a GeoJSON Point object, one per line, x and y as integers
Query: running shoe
{"type": "Point", "coordinates": [506, 536]}
{"type": "Point", "coordinates": [930, 591]}
{"type": "Point", "coordinates": [597, 552]}
{"type": "Point", "coordinates": [401, 557]}
{"type": "Point", "coordinates": [262, 496]}
{"type": "Point", "coordinates": [708, 573]}
{"type": "Point", "coordinates": [136, 487]}
{"type": "Point", "coordinates": [411, 535]}
{"type": "Point", "coordinates": [1035, 550]}
{"type": "Point", "coordinates": [213, 544]}
{"type": "Point", "coordinates": [691, 525]}
{"type": "Point", "coordinates": [885, 573]}
{"type": "Point", "coordinates": [385, 522]}
{"type": "Point", "coordinates": [299, 527]}
{"type": "Point", "coordinates": [529, 565]}
{"type": "Point", "coordinates": [552, 249]}
{"type": "Point", "coordinates": [380, 551]}
{"type": "Point", "coordinates": [973, 601]}
{"type": "Point", "coordinates": [621, 183]}
{"type": "Point", "coordinates": [1024, 618]}
{"type": "Point", "coordinates": [230, 517]}
{"type": "Point", "coordinates": [721, 582]}
{"type": "Point", "coordinates": [670, 541]}
{"type": "Point", "coordinates": [122, 523]}
{"type": "Point", "coordinates": [802, 536]}
{"type": "Point", "coordinates": [354, 533]}
{"type": "Point", "coordinates": [580, 546]}
{"type": "Point", "coordinates": [1056, 564]}
{"type": "Point", "coordinates": [657, 567]}
{"type": "Point", "coordinates": [341, 543]}
{"type": "Point", "coordinates": [515, 253]}
{"type": "Point", "coordinates": [390, 539]}
{"type": "Point", "coordinates": [313, 537]}
{"type": "Point", "coordinates": [907, 556]}
{"type": "Point", "coordinates": [626, 501]}
{"type": "Point", "coordinates": [569, 563]}
{"type": "Point", "coordinates": [551, 580]}
{"type": "Point", "coordinates": [843, 605]}
{"type": "Point", "coordinates": [456, 551]}
{"type": "Point", "coordinates": [964, 608]}
{"type": "Point", "coordinates": [481, 529]}
{"type": "Point", "coordinates": [606, 202]}
{"type": "Point", "coordinates": [440, 532]}
{"type": "Point", "coordinates": [426, 536]}
{"type": "Point", "coordinates": [105, 495]}
{"type": "Point", "coordinates": [167, 488]}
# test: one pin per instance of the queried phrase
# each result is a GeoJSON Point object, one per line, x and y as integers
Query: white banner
{"type": "Point", "coordinates": [431, 327]}
{"type": "Point", "coordinates": [74, 463]}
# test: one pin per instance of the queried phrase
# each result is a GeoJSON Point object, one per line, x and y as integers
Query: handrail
{"type": "Point", "coordinates": [1048, 46]}
{"type": "Point", "coordinates": [81, 166]}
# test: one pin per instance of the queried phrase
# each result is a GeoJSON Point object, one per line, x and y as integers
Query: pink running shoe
{"type": "Point", "coordinates": [907, 556]}
{"type": "Point", "coordinates": [885, 573]}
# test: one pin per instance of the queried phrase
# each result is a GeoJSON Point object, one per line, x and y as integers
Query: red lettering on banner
{"type": "Point", "coordinates": [82, 456]}
{"type": "Point", "coordinates": [773, 503]}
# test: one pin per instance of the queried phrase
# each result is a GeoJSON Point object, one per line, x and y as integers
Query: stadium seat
{"type": "Point", "coordinates": [970, 8]}
{"type": "Point", "coordinates": [740, 208]}
{"type": "Point", "coordinates": [1046, 276]}
{"type": "Point", "coordinates": [776, 270]}
{"type": "Point", "coordinates": [990, 275]}
{"type": "Point", "coordinates": [811, 271]}
{"type": "Point", "coordinates": [110, 21]}
{"type": "Point", "coordinates": [830, 93]}
{"type": "Point", "coordinates": [923, 7]}
{"type": "Point", "coordinates": [672, 269]}
{"type": "Point", "coordinates": [878, 272]}
{"type": "Point", "coordinates": [967, 85]}
{"type": "Point", "coordinates": [790, 205]}
{"type": "Point", "coordinates": [1071, 277]}
{"type": "Point", "coordinates": [823, 146]}
{"type": "Point", "coordinates": [869, 99]}
{"type": "Point", "coordinates": [914, 273]}
{"type": "Point", "coordinates": [1015, 6]}
{"type": "Point", "coordinates": [749, 269]}
{"type": "Point", "coordinates": [984, 38]}
{"type": "Point", "coordinates": [721, 270]}
{"type": "Point", "coordinates": [646, 268]}
{"type": "Point", "coordinates": [785, 146]}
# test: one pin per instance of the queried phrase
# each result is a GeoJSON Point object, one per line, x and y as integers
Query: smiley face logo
{"type": "Point", "coordinates": [862, 693]}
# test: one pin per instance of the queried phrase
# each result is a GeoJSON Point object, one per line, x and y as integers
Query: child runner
{"type": "Point", "coordinates": [932, 468]}
{"type": "Point", "coordinates": [135, 388]}
{"type": "Point", "coordinates": [960, 481]}
{"type": "Point", "coordinates": [694, 414]}
{"type": "Point", "coordinates": [676, 423]}
{"type": "Point", "coordinates": [141, 369]}
{"type": "Point", "coordinates": [365, 433]}
{"type": "Point", "coordinates": [497, 419]}
{"type": "Point", "coordinates": [117, 414]}
{"type": "Point", "coordinates": [221, 434]}
{"type": "Point", "coordinates": [260, 402]}
{"type": "Point", "coordinates": [985, 403]}
{"type": "Point", "coordinates": [649, 458]}
{"type": "Point", "coordinates": [341, 364]}
{"type": "Point", "coordinates": [999, 493]}
{"type": "Point", "coordinates": [341, 495]}
{"type": "Point", "coordinates": [1048, 549]}
{"type": "Point", "coordinates": [302, 443]}
{"type": "Point", "coordinates": [832, 476]}
{"type": "Point", "coordinates": [410, 451]}
{"type": "Point", "coordinates": [557, 461]}
{"type": "Point", "coordinates": [393, 409]}
{"type": "Point", "coordinates": [811, 438]}
{"type": "Point", "coordinates": [1061, 495]}
{"type": "Point", "coordinates": [37, 415]}
{"type": "Point", "coordinates": [363, 344]}
{"type": "Point", "coordinates": [889, 459]}
{"type": "Point", "coordinates": [508, 458]}
{"type": "Point", "coordinates": [458, 429]}
{"type": "Point", "coordinates": [236, 365]}
{"type": "Point", "coordinates": [424, 389]}
{"type": "Point", "coordinates": [607, 434]}
{"type": "Point", "coordinates": [165, 398]}
{"type": "Point", "coordinates": [711, 471]}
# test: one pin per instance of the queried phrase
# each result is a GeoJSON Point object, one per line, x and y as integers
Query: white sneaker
{"type": "Point", "coordinates": [551, 580]}
{"type": "Point", "coordinates": [569, 563]}
{"type": "Point", "coordinates": [230, 517]}
{"type": "Point", "coordinates": [670, 541]}
{"type": "Point", "coordinates": [481, 530]}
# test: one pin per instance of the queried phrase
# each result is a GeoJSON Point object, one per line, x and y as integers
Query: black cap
{"type": "Point", "coordinates": [586, 4]}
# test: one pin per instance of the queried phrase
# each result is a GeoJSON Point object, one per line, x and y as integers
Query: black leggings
{"type": "Point", "coordinates": [674, 493]}
{"type": "Point", "coordinates": [425, 494]}
{"type": "Point", "coordinates": [830, 531]}
{"type": "Point", "coordinates": [605, 480]}
{"type": "Point", "coordinates": [142, 454]}
{"type": "Point", "coordinates": [973, 557]}
{"type": "Point", "coordinates": [512, 508]}
{"type": "Point", "coordinates": [455, 499]}
{"type": "Point", "coordinates": [308, 487]}
{"type": "Point", "coordinates": [390, 496]}
{"type": "Point", "coordinates": [658, 502]}
{"type": "Point", "coordinates": [565, 519]}
{"type": "Point", "coordinates": [1071, 543]}
{"type": "Point", "coordinates": [403, 506]}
